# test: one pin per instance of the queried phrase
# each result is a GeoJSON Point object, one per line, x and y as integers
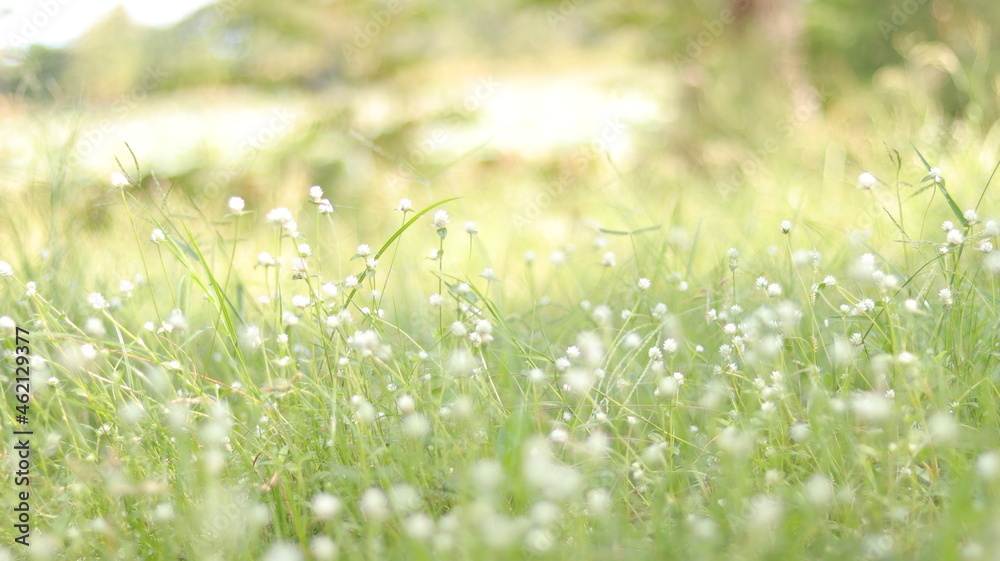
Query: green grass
{"type": "Point", "coordinates": [539, 415]}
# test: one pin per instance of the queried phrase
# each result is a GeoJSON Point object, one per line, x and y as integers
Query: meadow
{"type": "Point", "coordinates": [764, 335]}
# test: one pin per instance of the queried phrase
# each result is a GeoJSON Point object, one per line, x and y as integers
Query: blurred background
{"type": "Point", "coordinates": [552, 119]}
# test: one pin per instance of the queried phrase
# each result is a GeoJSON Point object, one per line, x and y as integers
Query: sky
{"type": "Point", "coordinates": [56, 22]}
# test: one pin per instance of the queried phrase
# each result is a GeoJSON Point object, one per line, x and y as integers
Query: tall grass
{"type": "Point", "coordinates": [641, 396]}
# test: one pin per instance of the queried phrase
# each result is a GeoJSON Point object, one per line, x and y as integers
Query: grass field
{"type": "Point", "coordinates": [585, 310]}
{"type": "Point", "coordinates": [243, 388]}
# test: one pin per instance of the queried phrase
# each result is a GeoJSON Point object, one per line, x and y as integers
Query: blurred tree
{"type": "Point", "coordinates": [107, 61]}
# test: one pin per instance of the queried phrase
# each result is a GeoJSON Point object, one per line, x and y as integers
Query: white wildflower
{"type": "Point", "coordinates": [325, 506]}
{"type": "Point", "coordinates": [946, 296]}
{"type": "Point", "coordinates": [280, 215]}
{"type": "Point", "coordinates": [441, 219]}
{"type": "Point", "coordinates": [867, 181]}
{"type": "Point", "coordinates": [119, 180]}
{"type": "Point", "coordinates": [97, 301]}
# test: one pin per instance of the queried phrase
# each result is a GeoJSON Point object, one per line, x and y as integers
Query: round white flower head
{"type": "Point", "coordinates": [280, 215]}
{"type": "Point", "coordinates": [237, 204]}
{"type": "Point", "coordinates": [119, 180]}
{"type": "Point", "coordinates": [284, 551]}
{"type": "Point", "coordinates": [329, 289]}
{"type": "Point", "coordinates": [324, 206]}
{"type": "Point", "coordinates": [374, 504]}
{"type": "Point", "coordinates": [364, 250]}
{"type": "Point", "coordinates": [97, 301]}
{"type": "Point", "coordinates": [609, 259]}
{"type": "Point", "coordinates": [986, 247]}
{"type": "Point", "coordinates": [971, 215]}
{"type": "Point", "coordinates": [988, 465]}
{"type": "Point", "coordinates": [6, 270]}
{"type": "Point", "coordinates": [404, 205]}
{"type": "Point", "coordinates": [670, 345]}
{"type": "Point", "coordinates": [323, 548]}
{"type": "Point", "coordinates": [955, 237]}
{"type": "Point", "coordinates": [644, 283]}
{"type": "Point", "coordinates": [435, 300]}
{"type": "Point", "coordinates": [935, 174]}
{"type": "Point", "coordinates": [529, 257]}
{"type": "Point", "coordinates": [786, 226]}
{"type": "Point", "coordinates": [351, 281]}
{"type": "Point", "coordinates": [946, 296]}
{"type": "Point", "coordinates": [867, 181]}
{"type": "Point", "coordinates": [157, 236]}
{"type": "Point", "coordinates": [325, 506]}
{"type": "Point", "coordinates": [440, 219]}
{"type": "Point", "coordinates": [470, 228]}
{"type": "Point", "coordinates": [316, 192]}
{"type": "Point", "coordinates": [264, 259]}
{"type": "Point", "coordinates": [301, 301]}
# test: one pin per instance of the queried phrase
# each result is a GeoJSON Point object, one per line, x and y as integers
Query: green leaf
{"type": "Point", "coordinates": [944, 191]}
{"type": "Point", "coordinates": [630, 233]}
{"type": "Point", "coordinates": [395, 236]}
